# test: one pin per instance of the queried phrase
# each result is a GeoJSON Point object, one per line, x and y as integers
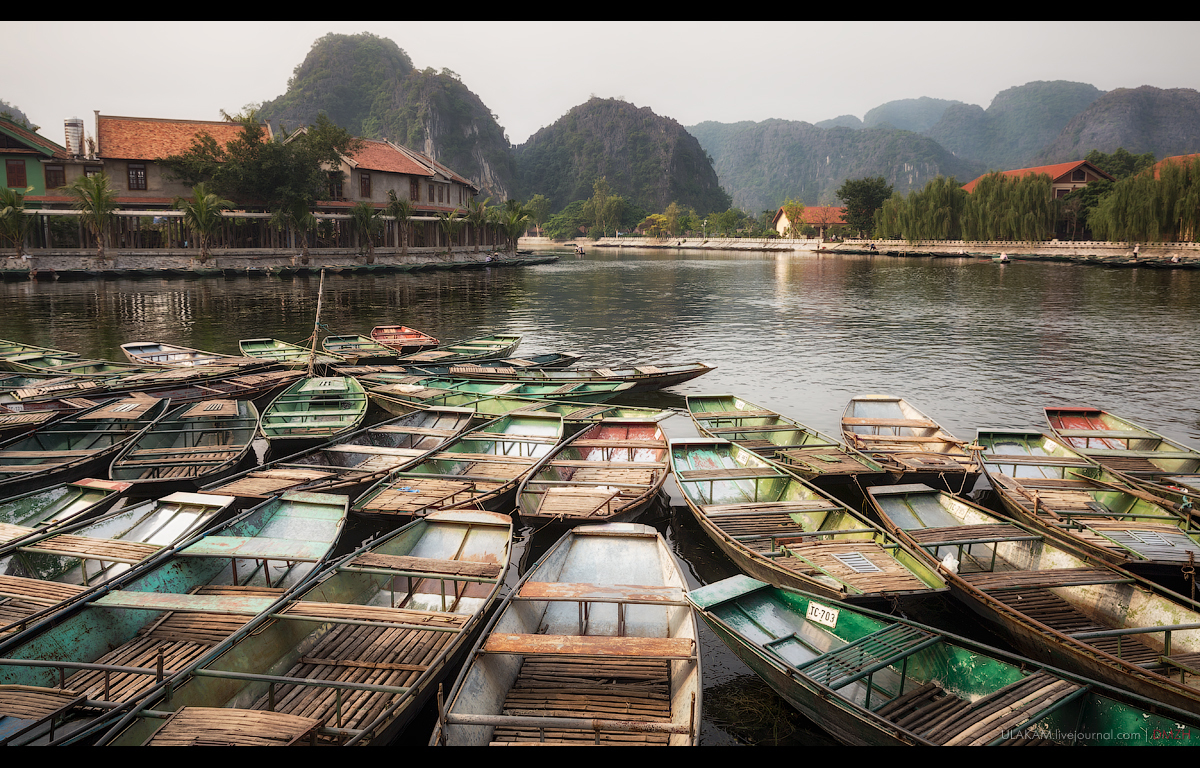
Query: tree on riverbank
{"type": "Point", "coordinates": [203, 215]}
{"type": "Point", "coordinates": [862, 198]}
{"type": "Point", "coordinates": [96, 201]}
{"type": "Point", "coordinates": [1144, 208]}
{"type": "Point", "coordinates": [15, 223]}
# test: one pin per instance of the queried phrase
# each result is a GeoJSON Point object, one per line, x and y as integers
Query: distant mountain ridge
{"type": "Point", "coordinates": [1145, 119]}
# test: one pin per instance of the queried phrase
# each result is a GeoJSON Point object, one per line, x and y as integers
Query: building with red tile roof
{"type": "Point", "coordinates": [821, 217]}
{"type": "Point", "coordinates": [29, 159]}
{"type": "Point", "coordinates": [1176, 159]}
{"type": "Point", "coordinates": [380, 167]}
{"type": "Point", "coordinates": [1064, 177]}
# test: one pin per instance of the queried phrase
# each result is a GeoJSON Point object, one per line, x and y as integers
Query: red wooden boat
{"type": "Point", "coordinates": [406, 341]}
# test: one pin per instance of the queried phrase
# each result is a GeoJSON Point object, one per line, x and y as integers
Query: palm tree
{"type": "Point", "coordinates": [451, 224]}
{"type": "Point", "coordinates": [202, 215]}
{"type": "Point", "coordinates": [402, 211]}
{"type": "Point", "coordinates": [97, 203]}
{"type": "Point", "coordinates": [514, 222]}
{"type": "Point", "coordinates": [477, 216]}
{"type": "Point", "coordinates": [14, 222]}
{"type": "Point", "coordinates": [367, 223]}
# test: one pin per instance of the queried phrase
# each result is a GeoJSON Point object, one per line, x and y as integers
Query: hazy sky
{"type": "Point", "coordinates": [531, 73]}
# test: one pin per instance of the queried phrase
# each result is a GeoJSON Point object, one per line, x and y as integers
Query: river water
{"type": "Point", "coordinates": [971, 343]}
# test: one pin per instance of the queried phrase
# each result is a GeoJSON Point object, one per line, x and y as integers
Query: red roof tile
{"type": "Point", "coordinates": [818, 214]}
{"type": "Point", "coordinates": [1055, 172]}
{"type": "Point", "coordinates": [1176, 159]}
{"type": "Point", "coordinates": [382, 156]}
{"type": "Point", "coordinates": [149, 138]}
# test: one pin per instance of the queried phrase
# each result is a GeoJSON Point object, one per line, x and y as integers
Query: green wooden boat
{"type": "Point", "coordinates": [777, 527]}
{"type": "Point", "coordinates": [606, 473]}
{"type": "Point", "coordinates": [816, 457]}
{"type": "Point", "coordinates": [875, 680]}
{"type": "Point", "coordinates": [358, 350]}
{"type": "Point", "coordinates": [283, 353]}
{"type": "Point", "coordinates": [436, 390]}
{"type": "Point", "coordinates": [52, 567]}
{"type": "Point", "coordinates": [1054, 604]}
{"type": "Point", "coordinates": [641, 378]}
{"type": "Point", "coordinates": [351, 658]}
{"type": "Point", "coordinates": [481, 468]}
{"type": "Point", "coordinates": [595, 646]}
{"type": "Point", "coordinates": [909, 444]}
{"type": "Point", "coordinates": [171, 612]}
{"type": "Point", "coordinates": [191, 445]}
{"type": "Point", "coordinates": [465, 370]}
{"type": "Point", "coordinates": [1047, 485]}
{"type": "Point", "coordinates": [572, 412]}
{"type": "Point", "coordinates": [1121, 446]}
{"type": "Point", "coordinates": [315, 409]}
{"type": "Point", "coordinates": [156, 353]}
{"type": "Point", "coordinates": [479, 348]}
{"type": "Point", "coordinates": [74, 447]}
{"type": "Point", "coordinates": [59, 505]}
{"type": "Point", "coordinates": [352, 463]}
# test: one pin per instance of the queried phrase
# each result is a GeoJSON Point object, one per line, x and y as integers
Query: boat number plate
{"type": "Point", "coordinates": [822, 614]}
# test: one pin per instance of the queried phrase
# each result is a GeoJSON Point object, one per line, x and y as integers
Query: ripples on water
{"type": "Point", "coordinates": [971, 343]}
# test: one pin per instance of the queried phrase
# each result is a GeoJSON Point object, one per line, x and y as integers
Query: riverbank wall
{"type": "Point", "coordinates": [47, 264]}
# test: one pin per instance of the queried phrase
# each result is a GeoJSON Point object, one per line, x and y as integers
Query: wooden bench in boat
{"type": "Point", "coordinates": [966, 535]}
{"type": "Point", "coordinates": [207, 726]}
{"type": "Point", "coordinates": [590, 646]}
{"type": "Point", "coordinates": [9, 532]}
{"type": "Point", "coordinates": [825, 460]}
{"type": "Point", "coordinates": [724, 415]}
{"type": "Point", "coordinates": [258, 548]}
{"type": "Point", "coordinates": [410, 494]}
{"type": "Point", "coordinates": [633, 444]}
{"type": "Point", "coordinates": [577, 503]}
{"type": "Point", "coordinates": [938, 438]}
{"type": "Point", "coordinates": [22, 597]}
{"type": "Point", "coordinates": [1120, 453]}
{"type": "Point", "coordinates": [627, 594]}
{"type": "Point", "coordinates": [405, 565]}
{"type": "Point", "coordinates": [105, 550]}
{"type": "Point", "coordinates": [1108, 434]}
{"type": "Point", "coordinates": [33, 706]}
{"type": "Point", "coordinates": [430, 431]}
{"type": "Point", "coordinates": [376, 450]}
{"type": "Point", "coordinates": [757, 508]}
{"type": "Point", "coordinates": [351, 613]}
{"type": "Point", "coordinates": [1034, 461]}
{"type": "Point", "coordinates": [753, 428]}
{"type": "Point", "coordinates": [492, 458]}
{"type": "Point", "coordinates": [1044, 606]}
{"type": "Point", "coordinates": [869, 421]}
{"type": "Point", "coordinates": [266, 483]}
{"type": "Point", "coordinates": [736, 473]}
{"type": "Point", "coordinates": [238, 605]}
{"type": "Point", "coordinates": [992, 581]}
{"type": "Point", "coordinates": [861, 563]}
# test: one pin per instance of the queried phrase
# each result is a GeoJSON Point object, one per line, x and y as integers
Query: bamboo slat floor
{"type": "Point", "coordinates": [1044, 606]}
{"type": "Point", "coordinates": [21, 598]}
{"type": "Point", "coordinates": [611, 689]}
{"type": "Point", "coordinates": [861, 563]}
{"type": "Point", "coordinates": [205, 726]}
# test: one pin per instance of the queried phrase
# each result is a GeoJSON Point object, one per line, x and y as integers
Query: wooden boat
{"type": "Point", "coordinates": [358, 350]}
{"type": "Point", "coordinates": [179, 385]}
{"type": "Point", "coordinates": [872, 679]}
{"type": "Point", "coordinates": [816, 457]}
{"type": "Point", "coordinates": [190, 446]}
{"type": "Point", "coordinates": [435, 390]}
{"type": "Point", "coordinates": [608, 472]}
{"type": "Point", "coordinates": [171, 355]}
{"type": "Point", "coordinates": [642, 378]}
{"type": "Point", "coordinates": [52, 567]}
{"type": "Point", "coordinates": [366, 644]}
{"type": "Point", "coordinates": [405, 340]}
{"type": "Point", "coordinates": [156, 621]}
{"type": "Point", "coordinates": [462, 370]}
{"type": "Point", "coordinates": [73, 365]}
{"type": "Point", "coordinates": [1045, 484]}
{"type": "Point", "coordinates": [1055, 605]}
{"type": "Point", "coordinates": [493, 406]}
{"type": "Point", "coordinates": [479, 469]}
{"type": "Point", "coordinates": [776, 527]}
{"type": "Point", "coordinates": [57, 506]}
{"type": "Point", "coordinates": [315, 409]}
{"type": "Point", "coordinates": [595, 646]}
{"type": "Point", "coordinates": [1120, 445]}
{"type": "Point", "coordinates": [908, 443]}
{"type": "Point", "coordinates": [283, 353]}
{"type": "Point", "coordinates": [9, 349]}
{"type": "Point", "coordinates": [74, 447]}
{"type": "Point", "coordinates": [349, 465]}
{"type": "Point", "coordinates": [469, 350]}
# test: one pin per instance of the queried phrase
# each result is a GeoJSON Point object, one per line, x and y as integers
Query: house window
{"type": "Point", "coordinates": [431, 185]}
{"type": "Point", "coordinates": [15, 170]}
{"type": "Point", "coordinates": [56, 176]}
{"type": "Point", "coordinates": [440, 190]}
{"type": "Point", "coordinates": [1078, 175]}
{"type": "Point", "coordinates": [92, 170]}
{"type": "Point", "coordinates": [414, 189]}
{"type": "Point", "coordinates": [1061, 192]}
{"type": "Point", "coordinates": [335, 186]}
{"type": "Point", "coordinates": [137, 175]}
{"type": "Point", "coordinates": [364, 185]}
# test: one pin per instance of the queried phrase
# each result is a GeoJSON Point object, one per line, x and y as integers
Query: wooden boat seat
{"type": "Point", "coordinates": [374, 614]}
{"type": "Point", "coordinates": [37, 590]}
{"type": "Point", "coordinates": [901, 438]}
{"type": "Point", "coordinates": [396, 428]}
{"type": "Point", "coordinates": [238, 605]}
{"type": "Point", "coordinates": [1035, 461]}
{"type": "Point", "coordinates": [377, 450]}
{"type": "Point", "coordinates": [484, 457]}
{"type": "Point", "coordinates": [1044, 606]}
{"type": "Point", "coordinates": [966, 535]}
{"type": "Point", "coordinates": [752, 428]}
{"type": "Point", "coordinates": [409, 495]}
{"type": "Point", "coordinates": [722, 415]}
{"type": "Point", "coordinates": [105, 550]}
{"type": "Point", "coordinates": [627, 594]}
{"type": "Point", "coordinates": [652, 444]}
{"type": "Point", "coordinates": [576, 503]}
{"type": "Point", "coordinates": [25, 707]}
{"type": "Point", "coordinates": [873, 421]}
{"type": "Point", "coordinates": [267, 483]}
{"type": "Point", "coordinates": [9, 532]}
{"type": "Point", "coordinates": [205, 726]}
{"type": "Point", "coordinates": [863, 564]}
{"type": "Point", "coordinates": [755, 508]}
{"type": "Point", "coordinates": [823, 460]}
{"type": "Point", "coordinates": [992, 581]}
{"type": "Point", "coordinates": [590, 646]}
{"type": "Point", "coordinates": [616, 689]}
{"type": "Point", "coordinates": [587, 463]}
{"type": "Point", "coordinates": [738, 473]}
{"type": "Point", "coordinates": [48, 454]}
{"type": "Point", "coordinates": [171, 453]}
{"type": "Point", "coordinates": [428, 566]}
{"type": "Point", "coordinates": [258, 548]}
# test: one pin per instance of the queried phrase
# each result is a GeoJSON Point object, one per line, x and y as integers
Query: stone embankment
{"type": "Point", "coordinates": [120, 263]}
{"type": "Point", "coordinates": [1167, 255]}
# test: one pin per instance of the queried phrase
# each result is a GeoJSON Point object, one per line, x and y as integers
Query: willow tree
{"type": "Point", "coordinates": [1145, 208]}
{"type": "Point", "coordinates": [933, 213]}
{"type": "Point", "coordinates": [96, 202]}
{"type": "Point", "coordinates": [1005, 207]}
{"type": "Point", "coordinates": [203, 215]}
